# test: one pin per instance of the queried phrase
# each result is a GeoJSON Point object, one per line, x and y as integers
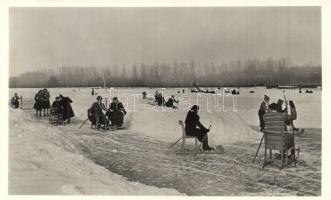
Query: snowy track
{"type": "Point", "coordinates": [233, 173]}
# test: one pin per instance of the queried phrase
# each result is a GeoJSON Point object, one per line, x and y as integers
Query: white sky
{"type": "Point", "coordinates": [51, 37]}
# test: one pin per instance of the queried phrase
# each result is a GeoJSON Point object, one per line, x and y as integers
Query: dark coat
{"type": "Point", "coordinates": [116, 113]}
{"type": "Point", "coordinates": [67, 111]}
{"type": "Point", "coordinates": [45, 99]}
{"type": "Point", "coordinates": [38, 105]}
{"type": "Point", "coordinates": [57, 107]}
{"type": "Point", "coordinates": [96, 108]}
{"type": "Point", "coordinates": [15, 102]}
{"type": "Point", "coordinates": [192, 121]}
{"type": "Point", "coordinates": [170, 102]}
{"type": "Point", "coordinates": [117, 107]}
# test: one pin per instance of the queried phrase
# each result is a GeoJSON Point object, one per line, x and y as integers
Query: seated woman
{"type": "Point", "coordinates": [193, 127]}
{"type": "Point", "coordinates": [56, 107]}
{"type": "Point", "coordinates": [116, 113]}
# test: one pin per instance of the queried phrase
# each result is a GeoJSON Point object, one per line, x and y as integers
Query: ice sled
{"type": "Point", "coordinates": [55, 117]}
{"type": "Point", "coordinates": [276, 137]}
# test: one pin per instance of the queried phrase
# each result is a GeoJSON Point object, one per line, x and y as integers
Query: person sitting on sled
{"type": "Point", "coordinates": [116, 113]}
{"type": "Point", "coordinates": [56, 106]}
{"type": "Point", "coordinates": [171, 101]}
{"type": "Point", "coordinates": [15, 101]}
{"type": "Point", "coordinates": [96, 115]}
{"type": "Point", "coordinates": [193, 127]}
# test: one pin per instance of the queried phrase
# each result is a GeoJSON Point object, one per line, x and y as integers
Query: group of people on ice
{"type": "Point", "coordinates": [159, 99]}
{"type": "Point", "coordinates": [42, 102]}
{"type": "Point", "coordinates": [61, 105]}
{"type": "Point", "coordinates": [278, 107]}
{"type": "Point", "coordinates": [114, 114]}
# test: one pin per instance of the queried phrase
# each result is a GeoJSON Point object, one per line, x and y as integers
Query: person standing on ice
{"type": "Point", "coordinates": [292, 116]}
{"type": "Point", "coordinates": [193, 127]}
{"type": "Point", "coordinates": [116, 113]}
{"type": "Point", "coordinates": [96, 115]}
{"type": "Point", "coordinates": [38, 105]}
{"type": "Point", "coordinates": [67, 111]}
{"type": "Point", "coordinates": [262, 110]}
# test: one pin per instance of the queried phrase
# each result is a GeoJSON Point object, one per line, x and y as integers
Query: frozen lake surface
{"type": "Point", "coordinates": [141, 154]}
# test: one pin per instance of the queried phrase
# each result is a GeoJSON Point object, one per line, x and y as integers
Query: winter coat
{"type": "Point", "coordinates": [38, 105]}
{"type": "Point", "coordinates": [67, 111]}
{"type": "Point", "coordinates": [96, 109]}
{"type": "Point", "coordinates": [57, 107]}
{"type": "Point", "coordinates": [192, 121]}
{"type": "Point", "coordinates": [117, 107]}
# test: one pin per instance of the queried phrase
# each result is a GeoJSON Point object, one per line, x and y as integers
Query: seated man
{"type": "Point", "coordinates": [171, 101]}
{"type": "Point", "coordinates": [96, 115]}
{"type": "Point", "coordinates": [116, 113]}
{"type": "Point", "coordinates": [15, 101]}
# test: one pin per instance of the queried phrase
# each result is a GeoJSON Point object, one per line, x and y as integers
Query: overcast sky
{"type": "Point", "coordinates": [52, 37]}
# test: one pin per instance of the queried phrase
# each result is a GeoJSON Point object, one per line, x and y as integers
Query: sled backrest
{"type": "Point", "coordinates": [275, 130]}
{"type": "Point", "coordinates": [275, 122]}
{"type": "Point", "coordinates": [181, 123]}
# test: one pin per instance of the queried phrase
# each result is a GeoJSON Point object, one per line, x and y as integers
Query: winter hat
{"type": "Point", "coordinates": [194, 108]}
{"type": "Point", "coordinates": [115, 98]}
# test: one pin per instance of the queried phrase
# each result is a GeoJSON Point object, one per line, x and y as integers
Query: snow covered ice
{"type": "Point", "coordinates": [48, 159]}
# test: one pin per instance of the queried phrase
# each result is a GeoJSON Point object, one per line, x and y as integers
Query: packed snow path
{"type": "Point", "coordinates": [149, 161]}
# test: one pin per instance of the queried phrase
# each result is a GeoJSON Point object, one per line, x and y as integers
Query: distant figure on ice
{"type": "Point", "coordinates": [171, 101]}
{"type": "Point", "coordinates": [157, 94]}
{"type": "Point", "coordinates": [45, 99]}
{"type": "Point", "coordinates": [67, 111]}
{"type": "Point", "coordinates": [15, 101]}
{"type": "Point", "coordinates": [56, 106]}
{"type": "Point", "coordinates": [292, 116]}
{"type": "Point", "coordinates": [144, 95]}
{"type": "Point", "coordinates": [116, 113]}
{"type": "Point", "coordinates": [262, 110]}
{"type": "Point", "coordinates": [38, 105]}
{"type": "Point", "coordinates": [92, 92]}
{"type": "Point", "coordinates": [193, 127]}
{"type": "Point", "coordinates": [96, 115]}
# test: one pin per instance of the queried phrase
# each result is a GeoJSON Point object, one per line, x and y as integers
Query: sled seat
{"type": "Point", "coordinates": [185, 136]}
{"type": "Point", "coordinates": [277, 138]}
{"type": "Point", "coordinates": [55, 117]}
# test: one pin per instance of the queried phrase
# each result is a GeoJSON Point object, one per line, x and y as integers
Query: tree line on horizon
{"type": "Point", "coordinates": [239, 73]}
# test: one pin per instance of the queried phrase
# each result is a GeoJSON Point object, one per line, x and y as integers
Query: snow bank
{"type": "Point", "coordinates": [227, 127]}
{"type": "Point", "coordinates": [45, 160]}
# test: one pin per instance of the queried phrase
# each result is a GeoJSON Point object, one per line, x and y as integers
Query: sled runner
{"type": "Point", "coordinates": [277, 138]}
{"type": "Point", "coordinates": [184, 137]}
{"type": "Point", "coordinates": [197, 148]}
{"type": "Point", "coordinates": [218, 150]}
